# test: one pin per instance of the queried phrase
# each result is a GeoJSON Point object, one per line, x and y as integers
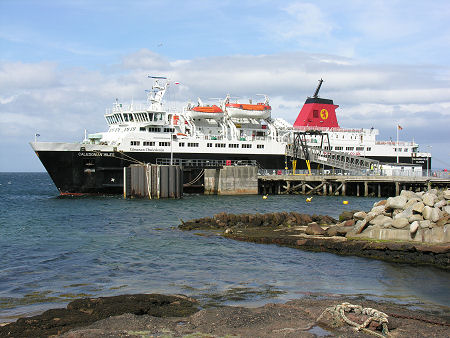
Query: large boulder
{"type": "Point", "coordinates": [359, 215]}
{"type": "Point", "coordinates": [413, 227]}
{"type": "Point", "coordinates": [435, 215]}
{"type": "Point", "coordinates": [405, 213]}
{"type": "Point", "coordinates": [418, 207]}
{"type": "Point", "coordinates": [440, 203]}
{"type": "Point", "coordinates": [314, 229]}
{"type": "Point", "coordinates": [429, 199]}
{"type": "Point", "coordinates": [411, 202]}
{"type": "Point", "coordinates": [400, 223]}
{"type": "Point", "coordinates": [408, 194]}
{"type": "Point", "coordinates": [380, 221]}
{"type": "Point", "coordinates": [426, 213]}
{"type": "Point", "coordinates": [425, 224]}
{"type": "Point", "coordinates": [397, 202]}
{"type": "Point", "coordinates": [415, 217]}
{"type": "Point", "coordinates": [447, 194]}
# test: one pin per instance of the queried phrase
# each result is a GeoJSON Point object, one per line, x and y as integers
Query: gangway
{"type": "Point", "coordinates": [322, 154]}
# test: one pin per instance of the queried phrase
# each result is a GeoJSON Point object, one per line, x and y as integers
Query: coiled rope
{"type": "Point", "coordinates": [374, 315]}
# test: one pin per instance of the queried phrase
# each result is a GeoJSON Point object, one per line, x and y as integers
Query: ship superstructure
{"type": "Point", "coordinates": [224, 132]}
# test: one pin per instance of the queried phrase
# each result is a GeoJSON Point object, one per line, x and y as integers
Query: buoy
{"type": "Point", "coordinates": [309, 199]}
{"type": "Point", "coordinates": [344, 202]}
{"type": "Point", "coordinates": [264, 197]}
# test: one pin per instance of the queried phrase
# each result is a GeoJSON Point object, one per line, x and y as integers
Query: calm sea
{"type": "Point", "coordinates": [55, 249]}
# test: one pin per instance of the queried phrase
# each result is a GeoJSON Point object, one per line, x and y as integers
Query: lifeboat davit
{"type": "Point", "coordinates": [249, 110]}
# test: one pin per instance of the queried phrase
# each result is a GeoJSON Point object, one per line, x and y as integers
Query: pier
{"type": "Point", "coordinates": [345, 185]}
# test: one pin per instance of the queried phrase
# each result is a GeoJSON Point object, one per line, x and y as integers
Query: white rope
{"type": "Point", "coordinates": [373, 314]}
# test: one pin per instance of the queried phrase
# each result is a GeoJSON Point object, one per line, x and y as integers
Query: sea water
{"type": "Point", "coordinates": [55, 249]}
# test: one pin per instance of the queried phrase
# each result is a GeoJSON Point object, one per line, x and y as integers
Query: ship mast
{"type": "Point", "coordinates": [316, 93]}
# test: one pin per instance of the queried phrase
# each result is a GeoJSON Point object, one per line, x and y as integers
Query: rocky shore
{"type": "Point", "coordinates": [409, 228]}
{"type": "Point", "coordinates": [179, 316]}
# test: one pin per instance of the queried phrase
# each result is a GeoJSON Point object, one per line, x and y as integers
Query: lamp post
{"type": "Point", "coordinates": [428, 161]}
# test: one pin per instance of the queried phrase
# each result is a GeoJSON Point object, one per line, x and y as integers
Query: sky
{"type": "Point", "coordinates": [62, 63]}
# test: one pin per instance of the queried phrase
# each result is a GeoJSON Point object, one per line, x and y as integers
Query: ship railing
{"type": "Point", "coordinates": [332, 129]}
{"type": "Point", "coordinates": [205, 163]}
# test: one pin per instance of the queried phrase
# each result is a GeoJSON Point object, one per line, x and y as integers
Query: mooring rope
{"type": "Point", "coordinates": [197, 178]}
{"type": "Point", "coordinates": [374, 315]}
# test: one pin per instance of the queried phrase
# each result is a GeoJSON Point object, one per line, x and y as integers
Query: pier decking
{"type": "Point", "coordinates": [344, 185]}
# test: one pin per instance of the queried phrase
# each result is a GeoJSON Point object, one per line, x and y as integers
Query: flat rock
{"type": "Point", "coordinates": [408, 194]}
{"type": "Point", "coordinates": [425, 224]}
{"type": "Point", "coordinates": [360, 226]}
{"type": "Point", "coordinates": [404, 214]}
{"type": "Point", "coordinates": [400, 223]}
{"type": "Point", "coordinates": [411, 202]}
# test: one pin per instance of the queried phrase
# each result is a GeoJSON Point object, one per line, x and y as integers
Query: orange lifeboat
{"type": "Point", "coordinates": [249, 110]}
{"type": "Point", "coordinates": [202, 111]}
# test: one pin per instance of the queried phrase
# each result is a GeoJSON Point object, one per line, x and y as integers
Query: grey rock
{"type": "Point", "coordinates": [428, 199]}
{"type": "Point", "coordinates": [425, 224]}
{"type": "Point", "coordinates": [378, 210]}
{"type": "Point", "coordinates": [360, 226]}
{"type": "Point", "coordinates": [440, 204]}
{"type": "Point", "coordinates": [427, 212]}
{"type": "Point", "coordinates": [418, 207]}
{"type": "Point", "coordinates": [447, 194]}
{"type": "Point", "coordinates": [411, 202]}
{"type": "Point", "coordinates": [314, 229]}
{"type": "Point", "coordinates": [405, 213]}
{"type": "Point", "coordinates": [435, 215]}
{"type": "Point", "coordinates": [380, 220]}
{"type": "Point", "coordinates": [400, 223]}
{"type": "Point", "coordinates": [415, 217]}
{"type": "Point", "coordinates": [397, 202]}
{"type": "Point", "coordinates": [414, 227]}
{"type": "Point", "coordinates": [407, 194]}
{"type": "Point", "coordinates": [359, 215]}
{"type": "Point", "coordinates": [446, 209]}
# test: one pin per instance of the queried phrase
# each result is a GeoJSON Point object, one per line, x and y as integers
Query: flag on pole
{"type": "Point", "coordinates": [399, 127]}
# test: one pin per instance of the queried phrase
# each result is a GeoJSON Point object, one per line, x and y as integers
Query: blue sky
{"type": "Point", "coordinates": [63, 62]}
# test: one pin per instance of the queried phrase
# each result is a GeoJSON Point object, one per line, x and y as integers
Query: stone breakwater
{"type": "Point", "coordinates": [412, 216]}
{"type": "Point", "coordinates": [409, 228]}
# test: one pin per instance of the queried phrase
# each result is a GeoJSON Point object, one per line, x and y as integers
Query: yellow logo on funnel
{"type": "Point", "coordinates": [324, 114]}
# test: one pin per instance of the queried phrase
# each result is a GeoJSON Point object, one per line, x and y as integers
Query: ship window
{"type": "Point", "coordinates": [339, 148]}
{"type": "Point", "coordinates": [164, 144]}
{"type": "Point", "coordinates": [181, 144]}
{"type": "Point", "coordinates": [349, 148]}
{"type": "Point", "coordinates": [260, 146]}
{"type": "Point", "coordinates": [246, 146]}
{"type": "Point", "coordinates": [154, 130]}
{"type": "Point", "coordinates": [209, 145]}
{"type": "Point", "coordinates": [150, 116]}
{"type": "Point", "coordinates": [135, 143]}
{"type": "Point", "coordinates": [150, 144]}
{"type": "Point", "coordinates": [169, 130]}
{"type": "Point", "coordinates": [315, 114]}
{"type": "Point", "coordinates": [125, 117]}
{"type": "Point", "coordinates": [192, 145]}
{"type": "Point", "coordinates": [142, 128]}
{"type": "Point", "coordinates": [233, 145]}
{"type": "Point", "coordinates": [406, 149]}
{"type": "Point", "coordinates": [368, 148]}
{"type": "Point", "coordinates": [220, 145]}
{"type": "Point", "coordinates": [359, 148]}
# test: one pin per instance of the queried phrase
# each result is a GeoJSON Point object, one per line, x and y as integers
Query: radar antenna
{"type": "Point", "coordinates": [316, 93]}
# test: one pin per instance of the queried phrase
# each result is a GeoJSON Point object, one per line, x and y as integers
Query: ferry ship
{"type": "Point", "coordinates": [199, 136]}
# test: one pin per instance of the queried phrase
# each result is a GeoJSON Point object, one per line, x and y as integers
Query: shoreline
{"type": "Point", "coordinates": [294, 230]}
{"type": "Point", "coordinates": [178, 316]}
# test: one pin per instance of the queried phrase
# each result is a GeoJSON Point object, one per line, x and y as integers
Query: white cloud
{"type": "Point", "coordinates": [60, 103]}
